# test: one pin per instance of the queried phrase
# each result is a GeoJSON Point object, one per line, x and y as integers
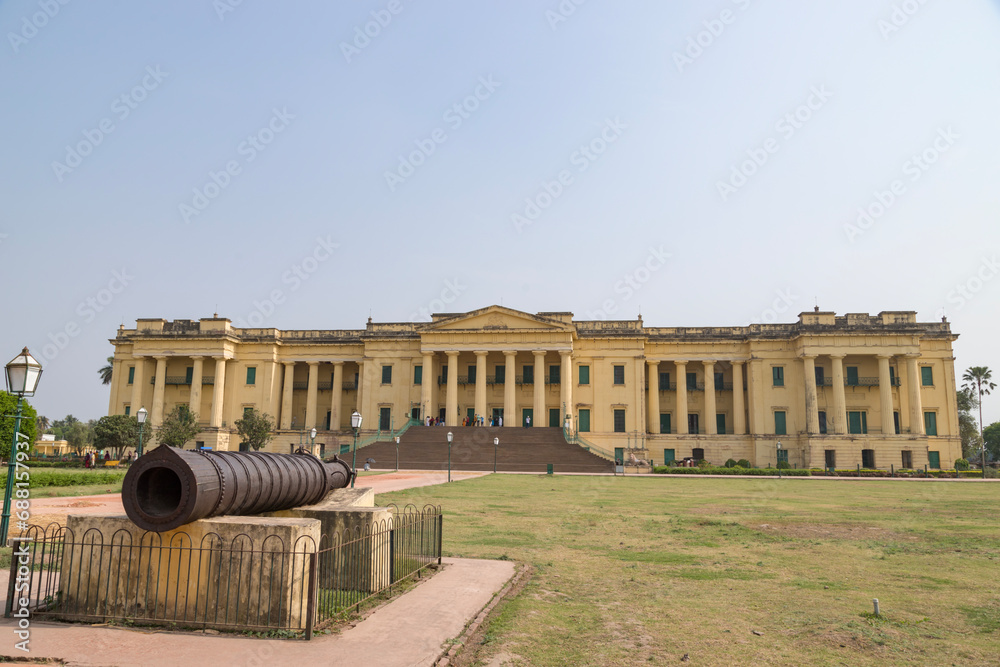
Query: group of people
{"type": "Point", "coordinates": [95, 459]}
{"type": "Point", "coordinates": [479, 420]}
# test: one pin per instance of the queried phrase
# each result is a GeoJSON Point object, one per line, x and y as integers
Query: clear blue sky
{"type": "Point", "coordinates": [584, 144]}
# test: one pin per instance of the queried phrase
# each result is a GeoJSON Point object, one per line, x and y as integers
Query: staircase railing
{"type": "Point", "coordinates": [389, 435]}
{"type": "Point", "coordinates": [577, 439]}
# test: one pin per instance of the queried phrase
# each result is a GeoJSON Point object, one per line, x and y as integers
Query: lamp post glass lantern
{"type": "Point", "coordinates": [355, 425]}
{"type": "Point", "coordinates": [141, 418]}
{"type": "Point", "coordinates": [777, 456]}
{"type": "Point", "coordinates": [397, 453]}
{"type": "Point", "coordinates": [312, 441]}
{"type": "Point", "coordinates": [496, 443]}
{"type": "Point", "coordinates": [450, 438]}
{"type": "Point", "coordinates": [23, 373]}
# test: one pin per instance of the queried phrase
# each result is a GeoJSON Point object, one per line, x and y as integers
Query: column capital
{"type": "Point", "coordinates": [738, 362]}
{"type": "Point", "coordinates": [565, 353]}
{"type": "Point", "coordinates": [337, 363]}
{"type": "Point", "coordinates": [884, 356]}
{"type": "Point", "coordinates": [313, 363]}
{"type": "Point", "coordinates": [806, 355]}
{"type": "Point", "coordinates": [481, 353]}
{"type": "Point", "coordinates": [451, 353]}
{"type": "Point", "coordinates": [652, 362]}
{"type": "Point", "coordinates": [708, 362]}
{"type": "Point", "coordinates": [912, 355]}
{"type": "Point", "coordinates": [838, 355]}
{"type": "Point", "coordinates": [160, 357]}
{"type": "Point", "coordinates": [510, 353]}
{"type": "Point", "coordinates": [538, 353]}
{"type": "Point", "coordinates": [288, 363]}
{"type": "Point", "coordinates": [680, 362]}
{"type": "Point", "coordinates": [197, 356]}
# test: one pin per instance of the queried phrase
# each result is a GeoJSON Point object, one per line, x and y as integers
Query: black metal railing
{"type": "Point", "coordinates": [351, 386]}
{"type": "Point", "coordinates": [861, 382]}
{"type": "Point", "coordinates": [181, 379]}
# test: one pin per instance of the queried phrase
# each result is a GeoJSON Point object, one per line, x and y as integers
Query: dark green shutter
{"type": "Point", "coordinates": [251, 375]}
{"type": "Point", "coordinates": [668, 457]}
{"type": "Point", "coordinates": [584, 374]}
{"type": "Point", "coordinates": [930, 423]}
{"type": "Point", "coordinates": [927, 376]}
{"type": "Point", "coordinates": [664, 422]}
{"type": "Point", "coordinates": [554, 418]}
{"type": "Point", "coordinates": [778, 375]}
{"type": "Point", "coordinates": [131, 374]}
{"type": "Point", "coordinates": [619, 421]}
{"type": "Point", "coordinates": [387, 375]}
{"type": "Point", "coordinates": [720, 424]}
{"type": "Point", "coordinates": [418, 375]}
{"type": "Point", "coordinates": [934, 459]}
{"type": "Point", "coordinates": [584, 421]}
{"type": "Point", "coordinates": [852, 376]}
{"type": "Point", "coordinates": [779, 423]}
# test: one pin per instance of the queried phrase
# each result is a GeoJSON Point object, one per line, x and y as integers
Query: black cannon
{"type": "Point", "coordinates": [170, 487]}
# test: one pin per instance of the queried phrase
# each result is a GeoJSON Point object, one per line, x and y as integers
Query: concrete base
{"type": "Point", "coordinates": [218, 573]}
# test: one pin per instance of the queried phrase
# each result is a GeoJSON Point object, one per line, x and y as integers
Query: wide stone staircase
{"type": "Point", "coordinates": [520, 450]}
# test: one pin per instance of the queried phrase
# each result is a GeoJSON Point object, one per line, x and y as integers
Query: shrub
{"type": "Point", "coordinates": [961, 464]}
{"type": "Point", "coordinates": [731, 463]}
{"type": "Point", "coordinates": [704, 464]}
{"type": "Point", "coordinates": [743, 463]}
{"type": "Point", "coordinates": [710, 470]}
{"type": "Point", "coordinates": [783, 465]}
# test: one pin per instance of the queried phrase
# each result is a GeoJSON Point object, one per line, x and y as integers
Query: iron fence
{"type": "Point", "coordinates": [247, 583]}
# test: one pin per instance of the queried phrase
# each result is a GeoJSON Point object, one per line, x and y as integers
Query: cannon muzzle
{"type": "Point", "coordinates": [169, 487]}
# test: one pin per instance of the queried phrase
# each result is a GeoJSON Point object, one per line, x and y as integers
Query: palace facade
{"type": "Point", "coordinates": [833, 390]}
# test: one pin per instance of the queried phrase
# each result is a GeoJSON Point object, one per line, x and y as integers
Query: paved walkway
{"type": "Point", "coordinates": [409, 631]}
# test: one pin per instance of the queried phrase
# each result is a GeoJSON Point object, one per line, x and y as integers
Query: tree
{"type": "Point", "coordinates": [106, 371]}
{"type": "Point", "coordinates": [255, 429]}
{"type": "Point", "coordinates": [967, 428]}
{"type": "Point", "coordinates": [117, 433]}
{"type": "Point", "coordinates": [980, 378]}
{"type": "Point", "coordinates": [77, 433]}
{"type": "Point", "coordinates": [991, 438]}
{"type": "Point", "coordinates": [8, 408]}
{"type": "Point", "coordinates": [42, 424]}
{"type": "Point", "coordinates": [178, 427]}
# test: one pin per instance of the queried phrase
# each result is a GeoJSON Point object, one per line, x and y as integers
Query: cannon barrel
{"type": "Point", "coordinates": [169, 487]}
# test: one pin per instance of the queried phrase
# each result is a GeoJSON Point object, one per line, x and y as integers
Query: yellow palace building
{"type": "Point", "coordinates": [833, 390]}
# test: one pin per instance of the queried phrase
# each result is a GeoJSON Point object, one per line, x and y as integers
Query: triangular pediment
{"type": "Point", "coordinates": [497, 318]}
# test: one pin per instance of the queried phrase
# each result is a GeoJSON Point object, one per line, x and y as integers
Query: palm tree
{"type": "Point", "coordinates": [978, 379]}
{"type": "Point", "coordinates": [42, 424]}
{"type": "Point", "coordinates": [105, 371]}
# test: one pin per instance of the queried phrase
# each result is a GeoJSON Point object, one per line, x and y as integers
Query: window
{"type": "Point", "coordinates": [384, 418]}
{"type": "Point", "coordinates": [868, 458]}
{"type": "Point", "coordinates": [779, 423]}
{"type": "Point", "coordinates": [720, 383]}
{"type": "Point", "coordinates": [251, 375]}
{"type": "Point", "coordinates": [830, 458]}
{"type": "Point", "coordinates": [584, 374]}
{"type": "Point", "coordinates": [778, 376]}
{"type": "Point", "coordinates": [387, 375]}
{"type": "Point", "coordinates": [692, 380]}
{"type": "Point", "coordinates": [128, 410]}
{"type": "Point", "coordinates": [554, 374]}
{"type": "Point", "coordinates": [131, 374]}
{"type": "Point", "coordinates": [895, 421]}
{"type": "Point", "coordinates": [934, 459]}
{"type": "Point", "coordinates": [500, 374]}
{"type": "Point", "coordinates": [188, 374]}
{"type": "Point", "coordinates": [619, 421]}
{"type": "Point", "coordinates": [528, 373]}
{"type": "Point", "coordinates": [472, 374]}
{"type": "Point", "coordinates": [247, 411]}
{"type": "Point", "coordinates": [418, 375]}
{"type": "Point", "coordinates": [907, 458]}
{"type": "Point", "coordinates": [698, 454]}
{"type": "Point", "coordinates": [930, 423]}
{"type": "Point", "coordinates": [668, 456]}
{"type": "Point", "coordinates": [820, 376]}
{"type": "Point", "coordinates": [693, 424]}
{"type": "Point", "coordinates": [852, 376]}
{"type": "Point", "coordinates": [444, 374]}
{"type": "Point", "coordinates": [822, 421]}
{"type": "Point", "coordinates": [664, 381]}
{"type": "Point", "coordinates": [783, 457]}
{"type": "Point", "coordinates": [857, 422]}
{"type": "Point", "coordinates": [892, 376]}
{"type": "Point", "coordinates": [584, 420]}
{"type": "Point", "coordinates": [664, 422]}
{"type": "Point", "coordinates": [720, 423]}
{"type": "Point", "coordinates": [927, 376]}
{"type": "Point", "coordinates": [619, 374]}
{"type": "Point", "coordinates": [554, 418]}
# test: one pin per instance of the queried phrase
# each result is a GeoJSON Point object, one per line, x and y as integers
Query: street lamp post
{"type": "Point", "coordinates": [778, 457]}
{"type": "Point", "coordinates": [496, 443]}
{"type": "Point", "coordinates": [355, 425]}
{"type": "Point", "coordinates": [312, 441]}
{"type": "Point", "coordinates": [397, 453]}
{"type": "Point", "coordinates": [23, 372]}
{"type": "Point", "coordinates": [141, 418]}
{"type": "Point", "coordinates": [450, 438]}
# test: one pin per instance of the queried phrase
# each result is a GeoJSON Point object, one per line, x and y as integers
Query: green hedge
{"type": "Point", "coordinates": [50, 477]}
{"type": "Point", "coordinates": [670, 470]}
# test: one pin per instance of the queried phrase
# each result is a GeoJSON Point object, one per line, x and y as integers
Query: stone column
{"type": "Point", "coordinates": [137, 380]}
{"type": "Point", "coordinates": [338, 395]}
{"type": "Point", "coordinates": [539, 418]}
{"type": "Point", "coordinates": [312, 395]}
{"type": "Point", "coordinates": [916, 401]}
{"type": "Point", "coordinates": [156, 414]}
{"type": "Point", "coordinates": [510, 389]}
{"type": "Point", "coordinates": [682, 398]}
{"type": "Point", "coordinates": [839, 399]}
{"type": "Point", "coordinates": [451, 400]}
{"type": "Point", "coordinates": [426, 382]}
{"type": "Point", "coordinates": [218, 391]}
{"type": "Point", "coordinates": [653, 399]}
{"type": "Point", "coordinates": [196, 375]}
{"type": "Point", "coordinates": [739, 418]}
{"type": "Point", "coordinates": [480, 405]}
{"type": "Point", "coordinates": [812, 402]}
{"type": "Point", "coordinates": [885, 395]}
{"type": "Point", "coordinates": [711, 427]}
{"type": "Point", "coordinates": [566, 387]}
{"type": "Point", "coordinates": [288, 384]}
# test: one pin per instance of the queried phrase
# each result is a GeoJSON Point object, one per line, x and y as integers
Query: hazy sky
{"type": "Point", "coordinates": [303, 165]}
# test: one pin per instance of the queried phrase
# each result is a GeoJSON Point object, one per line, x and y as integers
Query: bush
{"type": "Point", "coordinates": [66, 477]}
{"type": "Point", "coordinates": [704, 464]}
{"type": "Point", "coordinates": [743, 463]}
{"type": "Point", "coordinates": [731, 463]}
{"type": "Point", "coordinates": [783, 465]}
{"type": "Point", "coordinates": [961, 464]}
{"type": "Point", "coordinates": [711, 470]}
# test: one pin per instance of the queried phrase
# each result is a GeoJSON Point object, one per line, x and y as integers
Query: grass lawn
{"type": "Point", "coordinates": [644, 570]}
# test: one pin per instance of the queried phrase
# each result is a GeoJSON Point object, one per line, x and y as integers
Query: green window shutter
{"type": "Point", "coordinates": [387, 375]}
{"type": "Point", "coordinates": [418, 375]}
{"type": "Point", "coordinates": [864, 422]}
{"type": "Point", "coordinates": [720, 423]}
{"type": "Point", "coordinates": [927, 376]}
{"type": "Point", "coordinates": [584, 374]}
{"type": "Point", "coordinates": [554, 418]}
{"type": "Point", "coordinates": [131, 374]}
{"type": "Point", "coordinates": [188, 374]}
{"type": "Point", "coordinates": [852, 376]}
{"type": "Point", "coordinates": [692, 380]}
{"type": "Point", "coordinates": [584, 420]}
{"type": "Point", "coordinates": [934, 459]}
{"type": "Point", "coordinates": [930, 423]}
{"type": "Point", "coordinates": [500, 377]}
{"type": "Point", "coordinates": [472, 374]}
{"type": "Point", "coordinates": [554, 374]}
{"type": "Point", "coordinates": [251, 375]}
{"type": "Point", "coordinates": [779, 423]}
{"type": "Point", "coordinates": [892, 376]}
{"type": "Point", "coordinates": [128, 411]}
{"type": "Point", "coordinates": [778, 375]}
{"type": "Point", "coordinates": [664, 422]}
{"type": "Point", "coordinates": [668, 457]}
{"type": "Point", "coordinates": [528, 374]}
{"type": "Point", "coordinates": [854, 422]}
{"type": "Point", "coordinates": [664, 381]}
{"type": "Point", "coordinates": [782, 456]}
{"type": "Point", "coordinates": [619, 374]}
{"type": "Point", "coordinates": [619, 421]}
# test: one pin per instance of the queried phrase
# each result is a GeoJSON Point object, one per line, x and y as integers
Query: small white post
{"type": "Point", "coordinates": [875, 602]}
